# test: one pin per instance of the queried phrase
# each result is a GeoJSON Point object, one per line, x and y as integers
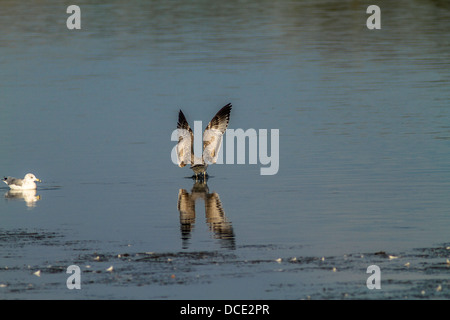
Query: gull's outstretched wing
{"type": "Point", "coordinates": [212, 137]}
{"type": "Point", "coordinates": [185, 146]}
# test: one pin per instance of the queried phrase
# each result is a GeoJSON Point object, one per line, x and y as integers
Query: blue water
{"type": "Point", "coordinates": [364, 143]}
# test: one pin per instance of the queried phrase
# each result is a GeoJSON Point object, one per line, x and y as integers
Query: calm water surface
{"type": "Point", "coordinates": [364, 171]}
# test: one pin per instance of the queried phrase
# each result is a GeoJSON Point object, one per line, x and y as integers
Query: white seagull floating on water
{"type": "Point", "coordinates": [27, 183]}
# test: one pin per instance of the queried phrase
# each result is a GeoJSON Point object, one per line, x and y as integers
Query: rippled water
{"type": "Point", "coordinates": [364, 140]}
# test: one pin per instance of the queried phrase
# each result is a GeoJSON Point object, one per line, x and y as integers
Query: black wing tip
{"type": "Point", "coordinates": [182, 122]}
{"type": "Point", "coordinates": [181, 115]}
{"type": "Point", "coordinates": [228, 106]}
{"type": "Point", "coordinates": [225, 111]}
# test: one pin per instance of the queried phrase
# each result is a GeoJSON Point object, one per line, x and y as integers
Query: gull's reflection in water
{"type": "Point", "coordinates": [29, 196]}
{"type": "Point", "coordinates": [215, 215]}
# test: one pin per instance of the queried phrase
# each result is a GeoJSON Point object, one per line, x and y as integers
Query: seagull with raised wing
{"type": "Point", "coordinates": [27, 183]}
{"type": "Point", "coordinates": [212, 141]}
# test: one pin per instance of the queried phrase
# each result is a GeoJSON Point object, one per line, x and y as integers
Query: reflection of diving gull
{"type": "Point", "coordinates": [29, 196]}
{"type": "Point", "coordinates": [215, 215]}
{"type": "Point", "coordinates": [27, 183]}
{"type": "Point", "coordinates": [212, 140]}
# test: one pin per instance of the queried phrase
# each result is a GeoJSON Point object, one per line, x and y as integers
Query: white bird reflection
{"type": "Point", "coordinates": [29, 196]}
{"type": "Point", "coordinates": [215, 215]}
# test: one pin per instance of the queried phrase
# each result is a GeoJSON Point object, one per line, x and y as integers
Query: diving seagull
{"type": "Point", "coordinates": [212, 141]}
{"type": "Point", "coordinates": [27, 183]}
